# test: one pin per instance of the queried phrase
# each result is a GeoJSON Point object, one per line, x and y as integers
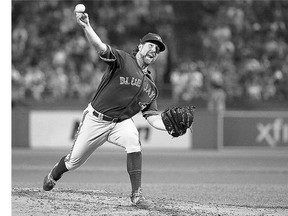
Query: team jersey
{"type": "Point", "coordinates": [124, 89]}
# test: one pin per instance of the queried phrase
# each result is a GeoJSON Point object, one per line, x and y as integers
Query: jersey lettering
{"type": "Point", "coordinates": [149, 91]}
{"type": "Point", "coordinates": [136, 82]}
{"type": "Point", "coordinates": [124, 81]}
{"type": "Point", "coordinates": [130, 81]}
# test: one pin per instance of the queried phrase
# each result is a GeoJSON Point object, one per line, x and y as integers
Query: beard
{"type": "Point", "coordinates": [148, 59]}
{"type": "Point", "coordinates": [144, 59]}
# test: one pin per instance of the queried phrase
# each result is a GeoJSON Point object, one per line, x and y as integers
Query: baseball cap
{"type": "Point", "coordinates": [154, 38]}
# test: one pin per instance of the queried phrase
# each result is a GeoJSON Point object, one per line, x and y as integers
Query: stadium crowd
{"type": "Point", "coordinates": [242, 47]}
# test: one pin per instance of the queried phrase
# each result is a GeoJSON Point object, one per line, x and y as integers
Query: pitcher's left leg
{"type": "Point", "coordinates": [125, 134]}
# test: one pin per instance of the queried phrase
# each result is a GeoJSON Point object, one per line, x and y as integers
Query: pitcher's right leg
{"type": "Point", "coordinates": [91, 134]}
{"type": "Point", "coordinates": [54, 175]}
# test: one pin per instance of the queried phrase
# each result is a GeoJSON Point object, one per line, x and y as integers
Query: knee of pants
{"type": "Point", "coordinates": [130, 142]}
{"type": "Point", "coordinates": [73, 163]}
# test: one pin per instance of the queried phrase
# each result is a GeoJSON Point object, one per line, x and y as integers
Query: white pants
{"type": "Point", "coordinates": [94, 132]}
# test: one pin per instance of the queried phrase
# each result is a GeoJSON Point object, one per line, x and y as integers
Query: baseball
{"type": "Point", "coordinates": [79, 8]}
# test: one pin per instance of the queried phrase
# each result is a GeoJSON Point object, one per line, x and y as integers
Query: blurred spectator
{"type": "Point", "coordinates": [18, 89]}
{"type": "Point", "coordinates": [216, 91]}
{"type": "Point", "coordinates": [34, 83]}
{"type": "Point", "coordinates": [58, 83]}
{"type": "Point", "coordinates": [187, 82]}
{"type": "Point", "coordinates": [19, 38]}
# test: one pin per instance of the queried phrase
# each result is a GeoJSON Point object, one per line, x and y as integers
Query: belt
{"type": "Point", "coordinates": [105, 117]}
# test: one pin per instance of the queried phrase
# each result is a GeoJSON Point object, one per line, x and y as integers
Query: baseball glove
{"type": "Point", "coordinates": [178, 119]}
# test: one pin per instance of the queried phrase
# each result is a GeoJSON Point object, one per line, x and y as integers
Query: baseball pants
{"type": "Point", "coordinates": [94, 132]}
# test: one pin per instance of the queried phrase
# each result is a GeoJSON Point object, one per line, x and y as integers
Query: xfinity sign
{"type": "Point", "coordinates": [273, 133]}
{"type": "Point", "coordinates": [252, 128]}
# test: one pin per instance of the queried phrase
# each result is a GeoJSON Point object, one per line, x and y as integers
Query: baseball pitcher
{"type": "Point", "coordinates": [126, 88]}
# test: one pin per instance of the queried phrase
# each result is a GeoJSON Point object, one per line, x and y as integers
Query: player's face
{"type": "Point", "coordinates": [149, 52]}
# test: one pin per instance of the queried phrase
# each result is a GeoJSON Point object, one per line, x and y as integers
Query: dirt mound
{"type": "Point", "coordinates": [35, 201]}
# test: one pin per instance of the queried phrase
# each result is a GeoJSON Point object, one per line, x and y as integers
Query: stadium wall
{"type": "Point", "coordinates": [56, 129]}
{"type": "Point", "coordinates": [20, 127]}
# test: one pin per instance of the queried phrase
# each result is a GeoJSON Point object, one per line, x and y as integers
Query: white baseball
{"type": "Point", "coordinates": [79, 8]}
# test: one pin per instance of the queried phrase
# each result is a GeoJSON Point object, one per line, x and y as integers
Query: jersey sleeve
{"type": "Point", "coordinates": [150, 110]}
{"type": "Point", "coordinates": [113, 57]}
{"type": "Point", "coordinates": [109, 55]}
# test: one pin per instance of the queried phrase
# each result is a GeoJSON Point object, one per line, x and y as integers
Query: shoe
{"type": "Point", "coordinates": [139, 200]}
{"type": "Point", "coordinates": [49, 182]}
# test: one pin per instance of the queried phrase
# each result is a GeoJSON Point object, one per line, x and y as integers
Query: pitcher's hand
{"type": "Point", "coordinates": [82, 19]}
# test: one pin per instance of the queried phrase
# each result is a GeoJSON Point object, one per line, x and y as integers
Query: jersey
{"type": "Point", "coordinates": [124, 89]}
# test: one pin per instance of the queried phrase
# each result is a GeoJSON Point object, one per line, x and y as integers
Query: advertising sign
{"type": "Point", "coordinates": [255, 129]}
{"type": "Point", "coordinates": [56, 129]}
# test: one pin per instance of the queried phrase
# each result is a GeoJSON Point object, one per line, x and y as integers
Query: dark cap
{"type": "Point", "coordinates": [154, 38]}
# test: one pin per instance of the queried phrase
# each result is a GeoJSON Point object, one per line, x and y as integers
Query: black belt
{"type": "Point", "coordinates": [105, 117]}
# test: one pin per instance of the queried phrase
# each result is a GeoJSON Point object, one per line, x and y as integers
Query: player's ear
{"type": "Point", "coordinates": [140, 46]}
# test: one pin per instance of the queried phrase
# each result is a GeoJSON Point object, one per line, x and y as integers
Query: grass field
{"type": "Point", "coordinates": [223, 182]}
